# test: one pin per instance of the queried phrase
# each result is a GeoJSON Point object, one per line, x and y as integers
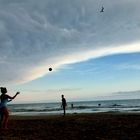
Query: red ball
{"type": "Point", "coordinates": [50, 69]}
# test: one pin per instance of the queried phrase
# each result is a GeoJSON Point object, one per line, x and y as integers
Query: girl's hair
{"type": "Point", "coordinates": [3, 89]}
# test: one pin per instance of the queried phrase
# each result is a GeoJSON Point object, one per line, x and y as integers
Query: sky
{"type": "Point", "coordinates": [94, 55]}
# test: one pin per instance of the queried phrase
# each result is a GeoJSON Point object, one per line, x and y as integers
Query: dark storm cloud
{"type": "Point", "coordinates": [35, 34]}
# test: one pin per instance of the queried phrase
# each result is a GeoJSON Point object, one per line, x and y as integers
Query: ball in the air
{"type": "Point", "coordinates": [50, 69]}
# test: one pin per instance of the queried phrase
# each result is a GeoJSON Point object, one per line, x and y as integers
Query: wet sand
{"type": "Point", "coordinates": [99, 126]}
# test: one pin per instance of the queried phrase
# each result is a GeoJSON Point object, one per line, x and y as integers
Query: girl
{"type": "Point", "coordinates": [3, 107]}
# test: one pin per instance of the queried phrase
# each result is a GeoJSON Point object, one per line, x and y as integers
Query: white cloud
{"type": "Point", "coordinates": [37, 34]}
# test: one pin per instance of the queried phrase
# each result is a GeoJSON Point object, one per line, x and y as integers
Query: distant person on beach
{"type": "Point", "coordinates": [71, 105]}
{"type": "Point", "coordinates": [4, 113]}
{"type": "Point", "coordinates": [64, 104]}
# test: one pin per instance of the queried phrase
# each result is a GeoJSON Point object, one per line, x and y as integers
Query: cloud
{"type": "Point", "coordinates": [35, 35]}
{"type": "Point", "coordinates": [126, 66]}
{"type": "Point", "coordinates": [120, 95]}
{"type": "Point", "coordinates": [128, 92]}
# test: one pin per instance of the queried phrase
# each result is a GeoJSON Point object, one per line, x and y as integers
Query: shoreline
{"type": "Point", "coordinates": [60, 116]}
{"type": "Point", "coordinates": [38, 114]}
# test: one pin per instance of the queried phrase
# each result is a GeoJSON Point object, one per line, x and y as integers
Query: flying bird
{"type": "Point", "coordinates": [102, 10]}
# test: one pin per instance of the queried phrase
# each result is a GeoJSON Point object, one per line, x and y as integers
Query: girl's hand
{"type": "Point", "coordinates": [18, 93]}
{"type": "Point", "coordinates": [10, 100]}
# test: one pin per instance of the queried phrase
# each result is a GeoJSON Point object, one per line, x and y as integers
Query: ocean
{"type": "Point", "coordinates": [123, 106]}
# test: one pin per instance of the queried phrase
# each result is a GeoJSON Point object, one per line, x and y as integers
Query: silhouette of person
{"type": "Point", "coordinates": [5, 98]}
{"type": "Point", "coordinates": [102, 10]}
{"type": "Point", "coordinates": [64, 104]}
{"type": "Point", "coordinates": [71, 105]}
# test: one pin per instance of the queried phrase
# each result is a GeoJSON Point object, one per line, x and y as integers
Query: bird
{"type": "Point", "coordinates": [102, 10]}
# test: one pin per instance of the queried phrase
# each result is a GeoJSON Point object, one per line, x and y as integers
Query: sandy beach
{"type": "Point", "coordinates": [100, 126]}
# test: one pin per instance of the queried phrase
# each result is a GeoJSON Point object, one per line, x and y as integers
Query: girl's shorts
{"type": "Point", "coordinates": [4, 111]}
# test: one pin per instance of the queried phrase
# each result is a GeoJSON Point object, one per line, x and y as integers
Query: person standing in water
{"type": "Point", "coordinates": [64, 104]}
{"type": "Point", "coordinates": [5, 98]}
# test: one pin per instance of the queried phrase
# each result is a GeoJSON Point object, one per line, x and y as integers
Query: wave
{"type": "Point", "coordinates": [36, 110]}
{"type": "Point", "coordinates": [94, 108]}
{"type": "Point", "coordinates": [79, 107]}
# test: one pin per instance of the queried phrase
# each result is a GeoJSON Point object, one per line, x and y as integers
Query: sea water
{"type": "Point", "coordinates": [124, 106]}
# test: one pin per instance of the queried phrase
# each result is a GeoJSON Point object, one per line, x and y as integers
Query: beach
{"type": "Point", "coordinates": [100, 126]}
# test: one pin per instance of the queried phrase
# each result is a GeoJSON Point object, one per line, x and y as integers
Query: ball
{"type": "Point", "coordinates": [50, 69]}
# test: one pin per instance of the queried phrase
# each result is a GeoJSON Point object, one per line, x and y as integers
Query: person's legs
{"type": "Point", "coordinates": [1, 118]}
{"type": "Point", "coordinates": [6, 117]}
{"type": "Point", "coordinates": [1, 121]}
{"type": "Point", "coordinates": [64, 110]}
